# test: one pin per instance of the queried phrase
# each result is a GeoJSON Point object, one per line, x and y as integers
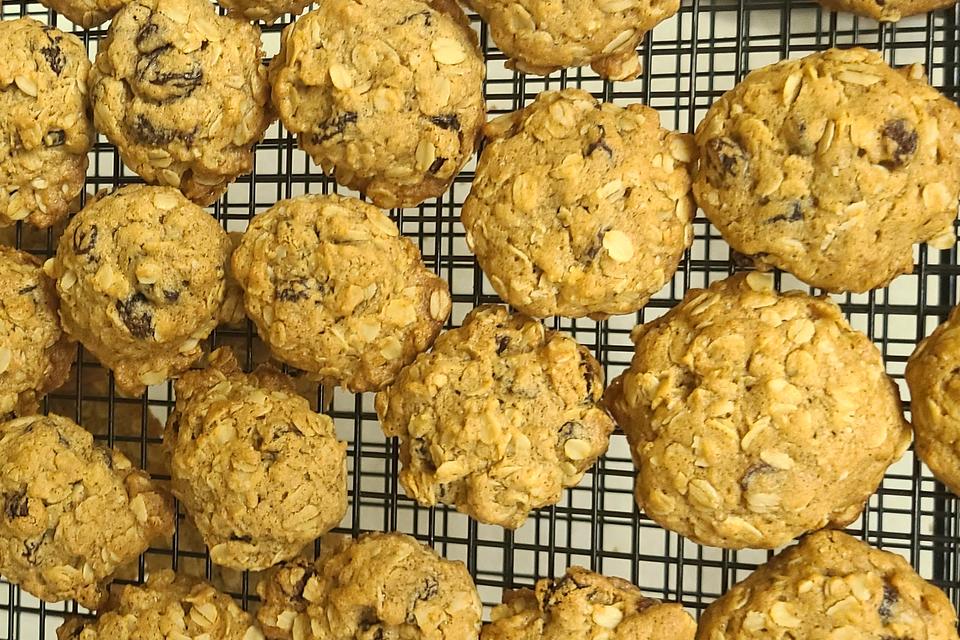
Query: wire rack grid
{"type": "Point", "coordinates": [688, 62]}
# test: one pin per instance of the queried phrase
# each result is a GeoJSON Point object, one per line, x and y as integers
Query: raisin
{"type": "Point", "coordinates": [294, 290]}
{"type": "Point", "coordinates": [30, 289]}
{"type": "Point", "coordinates": [334, 127]}
{"type": "Point", "coordinates": [151, 134]}
{"type": "Point", "coordinates": [54, 56]}
{"type": "Point", "coordinates": [137, 315]}
{"type": "Point", "coordinates": [726, 157]}
{"type": "Point", "coordinates": [449, 121]}
{"type": "Point", "coordinates": [84, 239]}
{"type": "Point", "coordinates": [30, 548]}
{"type": "Point", "coordinates": [752, 471]}
{"type": "Point", "coordinates": [503, 342]}
{"type": "Point", "coordinates": [55, 138]}
{"type": "Point", "coordinates": [890, 599]}
{"type": "Point", "coordinates": [599, 143]}
{"type": "Point", "coordinates": [427, 18]}
{"type": "Point", "coordinates": [903, 140]}
{"type": "Point", "coordinates": [145, 38]}
{"type": "Point", "coordinates": [171, 296]}
{"type": "Point", "coordinates": [437, 165]}
{"type": "Point", "coordinates": [795, 215]}
{"type": "Point", "coordinates": [429, 589]}
{"type": "Point", "coordinates": [569, 430]}
{"type": "Point", "coordinates": [16, 505]}
{"type": "Point", "coordinates": [166, 74]}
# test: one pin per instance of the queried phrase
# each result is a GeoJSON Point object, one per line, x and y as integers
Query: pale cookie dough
{"type": "Point", "coordinates": [167, 606]}
{"type": "Point", "coordinates": [580, 208]}
{"type": "Point", "coordinates": [266, 10]}
{"type": "Point", "coordinates": [141, 277]}
{"type": "Point", "coordinates": [71, 512]}
{"type": "Point", "coordinates": [887, 10]}
{"type": "Point", "coordinates": [498, 418]}
{"type": "Point", "coordinates": [45, 129]}
{"type": "Point", "coordinates": [542, 36]}
{"type": "Point", "coordinates": [182, 93]}
{"type": "Point", "coordinates": [35, 353]}
{"type": "Point", "coordinates": [385, 96]}
{"type": "Point", "coordinates": [583, 604]}
{"type": "Point", "coordinates": [381, 585]}
{"type": "Point", "coordinates": [754, 416]}
{"type": "Point", "coordinates": [259, 472]}
{"type": "Point", "coordinates": [832, 586]}
{"type": "Point", "coordinates": [832, 167]}
{"type": "Point", "coordinates": [935, 400]}
{"type": "Point", "coordinates": [337, 292]}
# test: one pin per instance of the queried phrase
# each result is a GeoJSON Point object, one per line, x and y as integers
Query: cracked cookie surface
{"type": "Point", "coordinates": [887, 10]}
{"type": "Point", "coordinates": [182, 93]}
{"type": "Point", "coordinates": [381, 585]}
{"type": "Point", "coordinates": [45, 129]}
{"type": "Point", "coordinates": [386, 97]}
{"type": "Point", "coordinates": [73, 513]}
{"type": "Point", "coordinates": [337, 292]}
{"type": "Point", "coordinates": [141, 277]}
{"type": "Point", "coordinates": [498, 418]}
{"type": "Point", "coordinates": [832, 167]}
{"type": "Point", "coordinates": [580, 207]}
{"type": "Point", "coordinates": [35, 353]}
{"type": "Point", "coordinates": [260, 473]}
{"type": "Point", "coordinates": [542, 36]}
{"type": "Point", "coordinates": [584, 604]}
{"type": "Point", "coordinates": [167, 605]}
{"type": "Point", "coordinates": [831, 585]}
{"type": "Point", "coordinates": [754, 416]}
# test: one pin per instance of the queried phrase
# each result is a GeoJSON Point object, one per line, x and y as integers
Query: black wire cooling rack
{"type": "Point", "coordinates": [688, 62]}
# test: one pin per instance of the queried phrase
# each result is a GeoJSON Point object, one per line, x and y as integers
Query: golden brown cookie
{"type": "Point", "coordinates": [887, 10]}
{"type": "Point", "coordinates": [266, 10]}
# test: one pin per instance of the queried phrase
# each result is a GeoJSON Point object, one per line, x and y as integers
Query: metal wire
{"type": "Point", "coordinates": [688, 62]}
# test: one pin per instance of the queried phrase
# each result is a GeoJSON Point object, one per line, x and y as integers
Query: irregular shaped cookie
{"type": "Point", "coordinates": [754, 416]}
{"type": "Point", "coordinates": [337, 292]}
{"type": "Point", "coordinates": [580, 208]}
{"type": "Point", "coordinates": [182, 93]}
{"type": "Point", "coordinates": [381, 585]}
{"type": "Point", "coordinates": [583, 604]}
{"type": "Point", "coordinates": [498, 418]}
{"type": "Point", "coordinates": [386, 97]}
{"type": "Point", "coordinates": [831, 585]}
{"type": "Point", "coordinates": [140, 273]}
{"type": "Point", "coordinates": [73, 512]}
{"type": "Point", "coordinates": [35, 353]}
{"type": "Point", "coordinates": [259, 472]}
{"type": "Point", "coordinates": [45, 131]}
{"type": "Point", "coordinates": [887, 10]}
{"type": "Point", "coordinates": [167, 603]}
{"type": "Point", "coordinates": [935, 400]}
{"type": "Point", "coordinates": [266, 10]}
{"type": "Point", "coordinates": [85, 13]}
{"type": "Point", "coordinates": [832, 167]}
{"type": "Point", "coordinates": [542, 36]}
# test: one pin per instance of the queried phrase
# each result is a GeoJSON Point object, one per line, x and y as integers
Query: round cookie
{"type": "Point", "coordinates": [831, 585]}
{"type": "Point", "coordinates": [583, 604]}
{"type": "Point", "coordinates": [85, 13]}
{"type": "Point", "coordinates": [580, 208]}
{"type": "Point", "coordinates": [498, 418]}
{"type": "Point", "coordinates": [266, 10]}
{"type": "Point", "coordinates": [381, 585]}
{"type": "Point", "coordinates": [385, 97]}
{"type": "Point", "coordinates": [73, 513]}
{"type": "Point", "coordinates": [887, 10]}
{"type": "Point", "coordinates": [36, 355]}
{"type": "Point", "coordinates": [168, 601]}
{"type": "Point", "coordinates": [259, 472]}
{"type": "Point", "coordinates": [755, 416]}
{"type": "Point", "coordinates": [141, 277]}
{"type": "Point", "coordinates": [832, 167]}
{"type": "Point", "coordinates": [45, 130]}
{"type": "Point", "coordinates": [542, 36]}
{"type": "Point", "coordinates": [337, 292]}
{"type": "Point", "coordinates": [182, 93]}
{"type": "Point", "coordinates": [935, 400]}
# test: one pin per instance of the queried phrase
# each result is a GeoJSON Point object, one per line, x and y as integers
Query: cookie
{"type": "Point", "coordinates": [36, 355]}
{"type": "Point", "coordinates": [385, 97]}
{"type": "Point", "coordinates": [167, 603]}
{"type": "Point", "coordinates": [755, 416]}
{"type": "Point", "coordinates": [45, 129]}
{"type": "Point", "coordinates": [543, 36]}
{"type": "Point", "coordinates": [337, 292]}
{"type": "Point", "coordinates": [580, 208]}
{"type": "Point", "coordinates": [259, 472]}
{"type": "Point", "coordinates": [73, 512]}
{"type": "Point", "coordinates": [935, 401]}
{"type": "Point", "coordinates": [498, 418]}
{"type": "Point", "coordinates": [832, 167]}
{"type": "Point", "coordinates": [141, 276]}
{"type": "Point", "coordinates": [831, 585]}
{"type": "Point", "coordinates": [266, 10]}
{"type": "Point", "coordinates": [887, 10]}
{"type": "Point", "coordinates": [583, 604]}
{"type": "Point", "coordinates": [182, 93]}
{"type": "Point", "coordinates": [381, 585]}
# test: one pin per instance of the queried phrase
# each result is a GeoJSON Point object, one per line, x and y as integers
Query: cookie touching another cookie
{"type": "Point", "coordinates": [266, 10]}
{"type": "Point", "coordinates": [755, 416]}
{"type": "Point", "coordinates": [584, 604]}
{"type": "Point", "coordinates": [832, 167]}
{"type": "Point", "coordinates": [887, 10]}
{"type": "Point", "coordinates": [385, 97]}
{"type": "Point", "coordinates": [498, 418]}
{"type": "Point", "coordinates": [580, 208]}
